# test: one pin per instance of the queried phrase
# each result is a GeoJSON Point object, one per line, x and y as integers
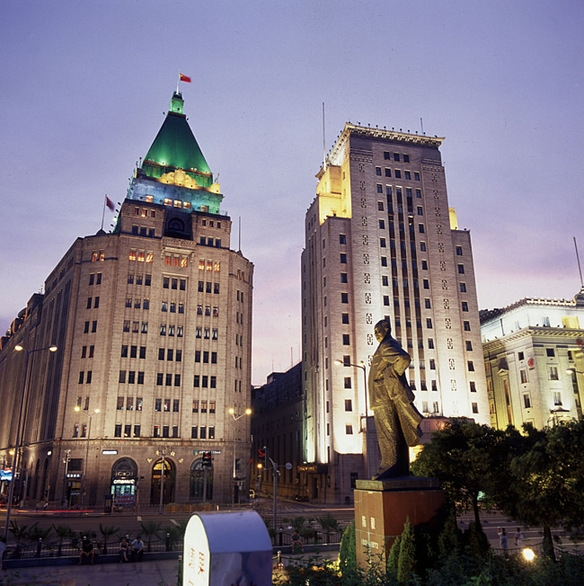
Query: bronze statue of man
{"type": "Point", "coordinates": [396, 418]}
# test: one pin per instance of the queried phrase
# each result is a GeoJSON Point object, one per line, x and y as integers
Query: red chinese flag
{"type": "Point", "coordinates": [185, 78]}
{"type": "Point", "coordinates": [109, 203]}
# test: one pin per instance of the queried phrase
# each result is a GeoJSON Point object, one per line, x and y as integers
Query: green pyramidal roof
{"type": "Point", "coordinates": [175, 145]}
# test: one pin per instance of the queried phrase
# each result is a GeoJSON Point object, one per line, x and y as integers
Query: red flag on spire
{"type": "Point", "coordinates": [109, 203]}
{"type": "Point", "coordinates": [185, 78]}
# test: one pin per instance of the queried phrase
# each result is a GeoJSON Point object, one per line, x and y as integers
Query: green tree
{"type": "Point", "coordinates": [393, 556]}
{"type": "Point", "coordinates": [329, 524]}
{"type": "Point", "coordinates": [545, 479]}
{"type": "Point", "coordinates": [150, 529]}
{"type": "Point", "coordinates": [107, 531]}
{"type": "Point", "coordinates": [461, 456]}
{"type": "Point", "coordinates": [347, 550]}
{"type": "Point", "coordinates": [62, 532]}
{"type": "Point", "coordinates": [406, 564]}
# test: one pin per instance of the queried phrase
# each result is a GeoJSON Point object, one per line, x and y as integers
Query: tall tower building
{"type": "Point", "coordinates": [153, 328]}
{"type": "Point", "coordinates": [382, 242]}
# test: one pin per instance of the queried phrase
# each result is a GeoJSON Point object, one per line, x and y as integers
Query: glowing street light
{"type": "Point", "coordinates": [84, 488]}
{"type": "Point", "coordinates": [20, 348]}
{"type": "Point", "coordinates": [236, 418]}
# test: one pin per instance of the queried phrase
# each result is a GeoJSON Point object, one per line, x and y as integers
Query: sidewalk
{"type": "Point", "coordinates": [146, 573]}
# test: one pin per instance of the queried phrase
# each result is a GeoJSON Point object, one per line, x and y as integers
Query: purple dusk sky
{"type": "Point", "coordinates": [84, 84]}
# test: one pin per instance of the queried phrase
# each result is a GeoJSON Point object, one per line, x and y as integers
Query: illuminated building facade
{"type": "Point", "coordinates": [534, 361]}
{"type": "Point", "coordinates": [382, 242]}
{"type": "Point", "coordinates": [153, 326]}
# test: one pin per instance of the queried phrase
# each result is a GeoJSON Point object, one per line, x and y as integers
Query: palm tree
{"type": "Point", "coordinates": [19, 532]}
{"type": "Point", "coordinates": [329, 524]}
{"type": "Point", "coordinates": [62, 532]}
{"type": "Point", "coordinates": [107, 531]}
{"type": "Point", "coordinates": [150, 529]}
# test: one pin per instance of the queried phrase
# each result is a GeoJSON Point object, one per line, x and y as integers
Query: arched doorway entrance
{"type": "Point", "coordinates": [124, 483]}
{"type": "Point", "coordinates": [169, 482]}
{"type": "Point", "coordinates": [196, 489]}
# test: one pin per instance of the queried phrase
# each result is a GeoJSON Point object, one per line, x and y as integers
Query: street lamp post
{"type": "Point", "coordinates": [361, 365]}
{"type": "Point", "coordinates": [84, 489]}
{"type": "Point", "coordinates": [15, 462]}
{"type": "Point", "coordinates": [236, 418]}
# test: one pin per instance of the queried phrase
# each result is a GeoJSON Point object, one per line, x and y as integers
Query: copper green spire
{"type": "Point", "coordinates": [175, 147]}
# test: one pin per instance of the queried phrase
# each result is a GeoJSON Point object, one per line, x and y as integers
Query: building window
{"type": "Point", "coordinates": [550, 352]}
{"type": "Point", "coordinates": [118, 430]}
{"type": "Point", "coordinates": [430, 343]}
{"type": "Point", "coordinates": [459, 251]}
{"type": "Point", "coordinates": [464, 306]}
{"type": "Point", "coordinates": [557, 398]}
{"type": "Point", "coordinates": [345, 318]}
{"type": "Point", "coordinates": [165, 431]}
{"type": "Point", "coordinates": [466, 326]}
{"type": "Point", "coordinates": [158, 405]}
{"type": "Point", "coordinates": [175, 405]}
{"type": "Point", "coordinates": [349, 429]}
{"type": "Point", "coordinates": [432, 364]}
{"type": "Point", "coordinates": [461, 269]}
{"type": "Point", "coordinates": [526, 401]}
{"type": "Point", "coordinates": [475, 407]}
{"type": "Point", "coordinates": [429, 323]}
{"type": "Point", "coordinates": [470, 366]}
{"type": "Point", "coordinates": [203, 432]}
{"type": "Point", "coordinates": [347, 382]}
{"type": "Point", "coordinates": [523, 375]}
{"type": "Point", "coordinates": [346, 340]}
{"type": "Point", "coordinates": [469, 346]}
{"type": "Point", "coordinates": [554, 374]}
{"type": "Point", "coordinates": [344, 298]}
{"type": "Point", "coordinates": [348, 405]}
{"type": "Point", "coordinates": [426, 284]}
{"type": "Point", "coordinates": [194, 433]}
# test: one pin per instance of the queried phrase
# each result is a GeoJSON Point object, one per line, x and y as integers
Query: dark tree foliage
{"type": "Point", "coordinates": [461, 457]}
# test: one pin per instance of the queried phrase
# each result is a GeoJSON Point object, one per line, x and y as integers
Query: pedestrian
{"type": "Point", "coordinates": [2, 549]}
{"type": "Point", "coordinates": [87, 551]}
{"type": "Point", "coordinates": [124, 545]}
{"type": "Point", "coordinates": [137, 549]}
{"type": "Point", "coordinates": [503, 540]}
{"type": "Point", "coordinates": [297, 542]}
{"type": "Point", "coordinates": [518, 538]}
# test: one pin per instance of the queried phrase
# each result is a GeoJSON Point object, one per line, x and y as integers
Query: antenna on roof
{"type": "Point", "coordinates": [422, 125]}
{"type": "Point", "coordinates": [579, 266]}
{"type": "Point", "coordinates": [239, 235]}
{"type": "Point", "coordinates": [323, 141]}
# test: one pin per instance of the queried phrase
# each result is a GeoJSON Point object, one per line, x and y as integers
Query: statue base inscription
{"type": "Point", "coordinates": [381, 510]}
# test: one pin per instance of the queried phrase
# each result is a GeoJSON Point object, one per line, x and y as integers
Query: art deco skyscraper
{"type": "Point", "coordinates": [153, 325]}
{"type": "Point", "coordinates": [382, 242]}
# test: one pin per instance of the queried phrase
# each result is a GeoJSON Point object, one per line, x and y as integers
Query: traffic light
{"type": "Point", "coordinates": [207, 460]}
{"type": "Point", "coordinates": [261, 457]}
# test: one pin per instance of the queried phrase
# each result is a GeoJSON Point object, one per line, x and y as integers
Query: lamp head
{"type": "Point", "coordinates": [19, 348]}
{"type": "Point", "coordinates": [248, 411]}
{"type": "Point", "coordinates": [53, 348]}
{"type": "Point", "coordinates": [231, 410]}
{"type": "Point", "coordinates": [77, 408]}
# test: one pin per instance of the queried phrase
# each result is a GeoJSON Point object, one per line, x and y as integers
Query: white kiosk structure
{"type": "Point", "coordinates": [222, 549]}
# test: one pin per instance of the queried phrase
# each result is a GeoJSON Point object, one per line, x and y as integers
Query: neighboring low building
{"type": "Point", "coordinates": [153, 328]}
{"type": "Point", "coordinates": [277, 432]}
{"type": "Point", "coordinates": [534, 361]}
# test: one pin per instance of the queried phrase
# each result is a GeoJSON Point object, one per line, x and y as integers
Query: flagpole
{"type": "Point", "coordinates": [103, 213]}
{"type": "Point", "coordinates": [177, 83]}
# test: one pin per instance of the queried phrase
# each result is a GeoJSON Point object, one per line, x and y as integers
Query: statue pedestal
{"type": "Point", "coordinates": [381, 510]}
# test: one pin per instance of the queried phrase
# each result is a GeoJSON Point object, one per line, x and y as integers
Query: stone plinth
{"type": "Point", "coordinates": [381, 510]}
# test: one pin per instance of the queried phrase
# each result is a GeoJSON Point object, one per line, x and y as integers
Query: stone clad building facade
{"type": "Point", "coordinates": [153, 328]}
{"type": "Point", "coordinates": [382, 242]}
